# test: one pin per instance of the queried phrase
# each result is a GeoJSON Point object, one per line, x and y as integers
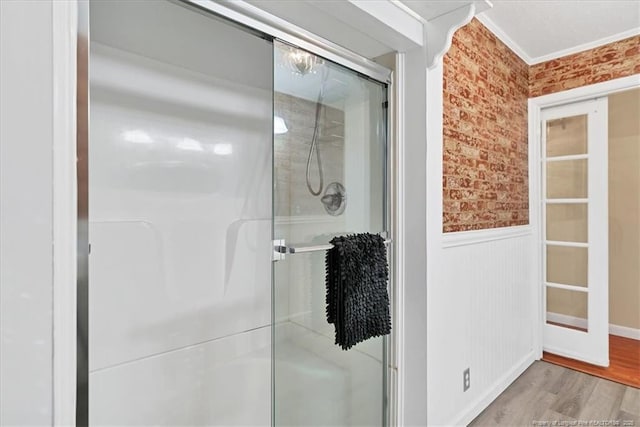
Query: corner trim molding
{"type": "Point", "coordinates": [64, 188]}
{"type": "Point", "coordinates": [440, 31]}
{"type": "Point", "coordinates": [474, 237]}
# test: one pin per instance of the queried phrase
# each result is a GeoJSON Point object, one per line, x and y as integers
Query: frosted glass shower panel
{"type": "Point", "coordinates": [180, 215]}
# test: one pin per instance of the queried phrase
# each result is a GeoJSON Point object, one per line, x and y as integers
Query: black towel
{"type": "Point", "coordinates": [356, 278]}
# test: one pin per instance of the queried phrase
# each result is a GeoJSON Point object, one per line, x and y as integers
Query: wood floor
{"type": "Point", "coordinates": [545, 393]}
{"type": "Point", "coordinates": [624, 362]}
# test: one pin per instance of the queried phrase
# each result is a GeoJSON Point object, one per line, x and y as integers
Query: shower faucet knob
{"type": "Point", "coordinates": [334, 199]}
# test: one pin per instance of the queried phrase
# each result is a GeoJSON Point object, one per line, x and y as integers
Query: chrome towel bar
{"type": "Point", "coordinates": [280, 249]}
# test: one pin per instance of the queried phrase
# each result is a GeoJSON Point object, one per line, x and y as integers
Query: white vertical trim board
{"type": "Point", "coordinates": [434, 254]}
{"type": "Point", "coordinates": [535, 221]}
{"type": "Point", "coordinates": [64, 211]}
{"type": "Point", "coordinates": [414, 176]}
{"type": "Point", "coordinates": [398, 137]}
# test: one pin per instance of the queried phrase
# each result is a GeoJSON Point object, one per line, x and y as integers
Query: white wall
{"type": "Point", "coordinates": [480, 316]}
{"type": "Point", "coordinates": [25, 213]}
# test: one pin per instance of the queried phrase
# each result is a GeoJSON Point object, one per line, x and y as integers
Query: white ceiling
{"type": "Point", "coordinates": [542, 30]}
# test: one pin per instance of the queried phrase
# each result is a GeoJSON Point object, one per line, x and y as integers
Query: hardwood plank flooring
{"type": "Point", "coordinates": [624, 362]}
{"type": "Point", "coordinates": [546, 392]}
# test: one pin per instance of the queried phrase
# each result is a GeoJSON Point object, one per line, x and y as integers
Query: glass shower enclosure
{"type": "Point", "coordinates": [209, 144]}
{"type": "Point", "coordinates": [329, 180]}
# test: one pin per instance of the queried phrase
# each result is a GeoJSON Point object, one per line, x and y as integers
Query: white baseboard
{"type": "Point", "coordinates": [624, 331]}
{"type": "Point", "coordinates": [480, 404]}
{"type": "Point", "coordinates": [579, 322]}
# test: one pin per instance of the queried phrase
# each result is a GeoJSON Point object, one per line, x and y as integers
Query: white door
{"type": "Point", "coordinates": [575, 231]}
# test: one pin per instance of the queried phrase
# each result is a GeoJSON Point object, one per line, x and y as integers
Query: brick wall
{"type": "Point", "coordinates": [486, 89]}
{"type": "Point", "coordinates": [611, 61]}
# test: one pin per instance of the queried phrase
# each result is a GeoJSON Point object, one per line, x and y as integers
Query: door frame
{"type": "Point", "coordinates": [536, 105]}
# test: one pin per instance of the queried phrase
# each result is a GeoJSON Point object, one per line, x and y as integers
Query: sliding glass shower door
{"type": "Point", "coordinates": [330, 179]}
{"type": "Point", "coordinates": [208, 141]}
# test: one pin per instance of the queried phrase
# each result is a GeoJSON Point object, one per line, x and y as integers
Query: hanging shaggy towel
{"type": "Point", "coordinates": [356, 278]}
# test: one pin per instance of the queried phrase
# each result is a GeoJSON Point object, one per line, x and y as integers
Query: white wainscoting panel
{"type": "Point", "coordinates": [481, 316]}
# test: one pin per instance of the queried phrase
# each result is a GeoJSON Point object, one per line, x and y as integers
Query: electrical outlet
{"type": "Point", "coordinates": [466, 379]}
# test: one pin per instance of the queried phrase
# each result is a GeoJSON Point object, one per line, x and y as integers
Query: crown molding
{"type": "Point", "coordinates": [586, 46]}
{"type": "Point", "coordinates": [504, 38]}
{"type": "Point", "coordinates": [518, 50]}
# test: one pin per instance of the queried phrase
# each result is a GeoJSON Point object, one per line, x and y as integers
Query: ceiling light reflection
{"type": "Point", "coordinates": [136, 136]}
{"type": "Point", "coordinates": [223, 149]}
{"type": "Point", "coordinates": [188, 144]}
{"type": "Point", "coordinates": [279, 126]}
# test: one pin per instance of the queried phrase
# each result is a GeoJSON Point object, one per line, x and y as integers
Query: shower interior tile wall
{"type": "Point", "coordinates": [291, 150]}
{"type": "Point", "coordinates": [300, 216]}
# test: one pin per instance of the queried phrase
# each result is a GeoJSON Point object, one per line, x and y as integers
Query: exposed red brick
{"type": "Point", "coordinates": [611, 61]}
{"type": "Point", "coordinates": [484, 127]}
{"type": "Point", "coordinates": [486, 87]}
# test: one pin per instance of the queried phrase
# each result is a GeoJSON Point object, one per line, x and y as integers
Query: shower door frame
{"type": "Point", "coordinates": [255, 20]}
